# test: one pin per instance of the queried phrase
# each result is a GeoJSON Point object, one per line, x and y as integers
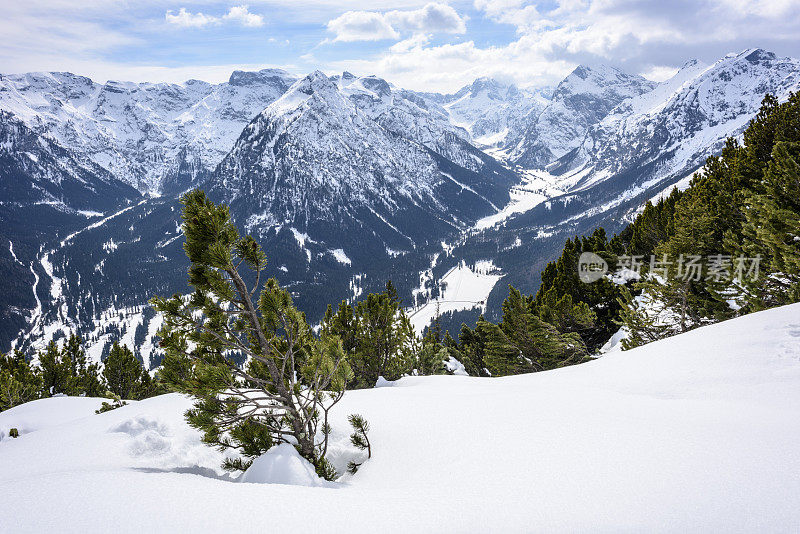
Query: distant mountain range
{"type": "Point", "coordinates": [347, 181]}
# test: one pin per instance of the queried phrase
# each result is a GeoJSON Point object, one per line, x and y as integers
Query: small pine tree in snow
{"type": "Point", "coordinates": [292, 377]}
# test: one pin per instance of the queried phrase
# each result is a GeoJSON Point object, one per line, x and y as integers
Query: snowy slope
{"type": "Point", "coordinates": [36, 170]}
{"type": "Point", "coordinates": [694, 433]}
{"type": "Point", "coordinates": [137, 131]}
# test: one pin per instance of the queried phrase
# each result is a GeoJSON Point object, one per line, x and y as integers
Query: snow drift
{"type": "Point", "coordinates": [694, 433]}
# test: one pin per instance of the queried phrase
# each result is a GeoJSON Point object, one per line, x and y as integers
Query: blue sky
{"type": "Point", "coordinates": [420, 45]}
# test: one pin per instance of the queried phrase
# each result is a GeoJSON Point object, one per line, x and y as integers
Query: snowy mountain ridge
{"type": "Point", "coordinates": [582, 99]}
{"type": "Point", "coordinates": [136, 131]}
{"type": "Point", "coordinates": [491, 111]}
{"type": "Point", "coordinates": [324, 151]}
{"type": "Point", "coordinates": [668, 133]}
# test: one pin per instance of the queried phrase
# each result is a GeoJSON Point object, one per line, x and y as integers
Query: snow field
{"type": "Point", "coordinates": [693, 433]}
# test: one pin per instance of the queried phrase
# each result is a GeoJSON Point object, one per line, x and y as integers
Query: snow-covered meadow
{"type": "Point", "coordinates": [698, 432]}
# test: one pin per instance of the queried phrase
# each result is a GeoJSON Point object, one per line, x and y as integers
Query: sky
{"type": "Point", "coordinates": [421, 45]}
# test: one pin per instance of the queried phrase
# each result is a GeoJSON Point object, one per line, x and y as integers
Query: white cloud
{"type": "Point", "coordinates": [648, 37]}
{"type": "Point", "coordinates": [186, 19]}
{"type": "Point", "coordinates": [238, 14]}
{"type": "Point", "coordinates": [242, 15]}
{"type": "Point", "coordinates": [660, 73]}
{"type": "Point", "coordinates": [375, 26]}
{"type": "Point", "coordinates": [361, 26]}
{"type": "Point", "coordinates": [414, 64]}
{"type": "Point", "coordinates": [433, 18]}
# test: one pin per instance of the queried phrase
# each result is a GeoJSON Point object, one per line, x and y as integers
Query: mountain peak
{"type": "Point", "coordinates": [243, 78]}
{"type": "Point", "coordinates": [754, 55]}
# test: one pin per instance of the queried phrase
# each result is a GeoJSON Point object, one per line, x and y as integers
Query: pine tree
{"type": "Point", "coordinates": [772, 229]}
{"type": "Point", "coordinates": [19, 383]}
{"type": "Point", "coordinates": [472, 348]}
{"type": "Point", "coordinates": [430, 355]}
{"type": "Point", "coordinates": [359, 439]}
{"type": "Point", "coordinates": [292, 378]}
{"type": "Point", "coordinates": [123, 372]}
{"type": "Point", "coordinates": [644, 324]}
{"type": "Point", "coordinates": [564, 314]}
{"type": "Point", "coordinates": [87, 376]}
{"type": "Point", "coordinates": [377, 336]}
{"type": "Point", "coordinates": [523, 342]}
{"type": "Point", "coordinates": [560, 278]}
{"type": "Point", "coordinates": [56, 372]}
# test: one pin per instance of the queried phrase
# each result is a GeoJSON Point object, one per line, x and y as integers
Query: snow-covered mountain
{"type": "Point", "coordinates": [35, 170]}
{"type": "Point", "coordinates": [347, 181]}
{"type": "Point", "coordinates": [653, 140]}
{"type": "Point", "coordinates": [491, 111]}
{"type": "Point", "coordinates": [44, 190]}
{"type": "Point", "coordinates": [139, 131]}
{"type": "Point", "coordinates": [330, 156]}
{"type": "Point", "coordinates": [581, 100]}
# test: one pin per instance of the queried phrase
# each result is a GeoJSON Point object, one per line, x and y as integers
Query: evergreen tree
{"type": "Point", "coordinates": [564, 314]}
{"type": "Point", "coordinates": [644, 324]}
{"type": "Point", "coordinates": [772, 229]}
{"type": "Point", "coordinates": [594, 306]}
{"type": "Point", "coordinates": [123, 372]}
{"type": "Point", "coordinates": [472, 349]}
{"type": "Point", "coordinates": [56, 372]}
{"type": "Point", "coordinates": [86, 376]}
{"type": "Point", "coordinates": [292, 378]}
{"type": "Point", "coordinates": [359, 439]}
{"type": "Point", "coordinates": [430, 355]}
{"type": "Point", "coordinates": [523, 342]}
{"type": "Point", "coordinates": [19, 383]}
{"type": "Point", "coordinates": [377, 336]}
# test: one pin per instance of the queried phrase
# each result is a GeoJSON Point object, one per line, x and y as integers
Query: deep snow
{"type": "Point", "coordinates": [694, 433]}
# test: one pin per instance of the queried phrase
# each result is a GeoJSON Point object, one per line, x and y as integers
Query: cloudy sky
{"type": "Point", "coordinates": [416, 44]}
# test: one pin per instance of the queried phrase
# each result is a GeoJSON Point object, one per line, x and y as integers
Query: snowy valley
{"type": "Point", "coordinates": [347, 181]}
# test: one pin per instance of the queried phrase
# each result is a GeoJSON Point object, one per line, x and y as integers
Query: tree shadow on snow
{"type": "Point", "coordinates": [194, 470]}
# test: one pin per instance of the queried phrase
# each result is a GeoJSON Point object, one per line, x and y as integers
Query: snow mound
{"type": "Point", "coordinates": [282, 465]}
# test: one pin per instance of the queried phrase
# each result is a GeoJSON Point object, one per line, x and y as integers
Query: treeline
{"type": "Point", "coordinates": [726, 246]}
{"type": "Point", "coordinates": [66, 370]}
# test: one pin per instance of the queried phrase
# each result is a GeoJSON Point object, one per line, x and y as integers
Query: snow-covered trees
{"type": "Point", "coordinates": [293, 378]}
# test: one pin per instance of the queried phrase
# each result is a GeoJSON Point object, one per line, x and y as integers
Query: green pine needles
{"type": "Point", "coordinates": [359, 439]}
{"type": "Point", "coordinates": [293, 378]}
